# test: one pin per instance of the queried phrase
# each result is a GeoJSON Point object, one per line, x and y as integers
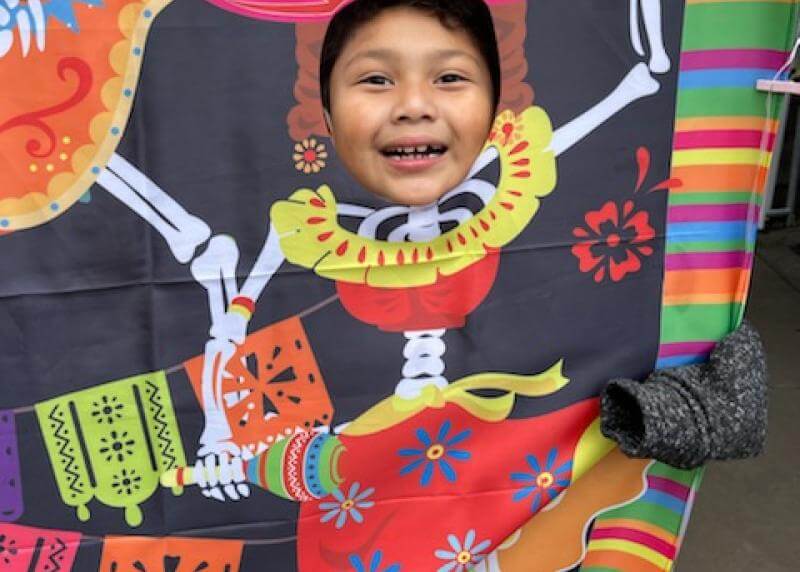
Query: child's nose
{"type": "Point", "coordinates": [414, 103]}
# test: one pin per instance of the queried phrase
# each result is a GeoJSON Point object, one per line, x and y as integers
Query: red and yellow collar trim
{"type": "Point", "coordinates": [312, 237]}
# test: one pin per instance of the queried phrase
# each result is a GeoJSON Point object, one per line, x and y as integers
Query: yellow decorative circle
{"type": "Point", "coordinates": [464, 557]}
{"type": "Point", "coordinates": [435, 452]}
{"type": "Point", "coordinates": [49, 167]}
{"type": "Point", "coordinates": [33, 167]}
{"type": "Point", "coordinates": [66, 140]}
{"type": "Point", "coordinates": [545, 480]}
{"type": "Point", "coordinates": [63, 156]}
{"type": "Point", "coordinates": [348, 504]}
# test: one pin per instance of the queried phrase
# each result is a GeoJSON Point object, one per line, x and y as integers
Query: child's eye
{"type": "Point", "coordinates": [376, 80]}
{"type": "Point", "coordinates": [451, 78]}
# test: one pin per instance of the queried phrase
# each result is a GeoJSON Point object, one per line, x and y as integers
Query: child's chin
{"type": "Point", "coordinates": [415, 197]}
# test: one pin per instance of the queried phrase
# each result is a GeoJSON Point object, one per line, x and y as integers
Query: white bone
{"type": "Point", "coordinates": [269, 260]}
{"type": "Point", "coordinates": [459, 215]}
{"type": "Point", "coordinates": [215, 270]}
{"type": "Point", "coordinates": [637, 83]}
{"type": "Point", "coordinates": [369, 225]}
{"type": "Point", "coordinates": [422, 225]}
{"type": "Point", "coordinates": [424, 364]}
{"type": "Point", "coordinates": [633, 22]}
{"type": "Point", "coordinates": [216, 435]}
{"type": "Point", "coordinates": [182, 231]}
{"type": "Point", "coordinates": [651, 13]}
{"type": "Point", "coordinates": [484, 190]}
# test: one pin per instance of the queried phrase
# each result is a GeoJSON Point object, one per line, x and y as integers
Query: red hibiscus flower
{"type": "Point", "coordinates": [613, 241]}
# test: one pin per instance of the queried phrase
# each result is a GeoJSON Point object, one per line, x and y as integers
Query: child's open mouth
{"type": "Point", "coordinates": [414, 152]}
{"type": "Point", "coordinates": [408, 158]}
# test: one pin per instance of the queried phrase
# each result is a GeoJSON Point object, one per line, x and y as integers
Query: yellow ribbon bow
{"type": "Point", "coordinates": [396, 409]}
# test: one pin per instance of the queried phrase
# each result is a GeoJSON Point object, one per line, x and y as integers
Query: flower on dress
{"type": "Point", "coordinates": [374, 564]}
{"type": "Point", "coordinates": [436, 453]}
{"type": "Point", "coordinates": [464, 555]}
{"type": "Point", "coordinates": [349, 506]}
{"type": "Point", "coordinates": [309, 156]}
{"type": "Point", "coordinates": [547, 481]}
{"type": "Point", "coordinates": [614, 239]}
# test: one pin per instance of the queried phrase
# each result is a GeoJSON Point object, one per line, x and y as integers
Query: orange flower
{"type": "Point", "coordinates": [309, 156]}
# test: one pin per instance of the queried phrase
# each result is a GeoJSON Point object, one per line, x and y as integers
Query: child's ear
{"type": "Point", "coordinates": [328, 122]}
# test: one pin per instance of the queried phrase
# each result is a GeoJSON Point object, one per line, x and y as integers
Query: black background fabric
{"type": "Point", "coordinates": [95, 295]}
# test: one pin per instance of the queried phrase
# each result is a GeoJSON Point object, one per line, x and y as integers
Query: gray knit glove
{"type": "Point", "coordinates": [686, 416]}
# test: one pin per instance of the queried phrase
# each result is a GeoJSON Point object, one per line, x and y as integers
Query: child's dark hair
{"type": "Point", "coordinates": [472, 16]}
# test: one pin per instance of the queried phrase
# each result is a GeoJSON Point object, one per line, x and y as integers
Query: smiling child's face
{"type": "Point", "coordinates": [411, 106]}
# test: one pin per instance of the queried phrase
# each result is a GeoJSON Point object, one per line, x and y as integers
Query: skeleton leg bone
{"type": "Point", "coordinates": [651, 13]}
{"type": "Point", "coordinates": [638, 83]}
{"type": "Point", "coordinates": [182, 231]}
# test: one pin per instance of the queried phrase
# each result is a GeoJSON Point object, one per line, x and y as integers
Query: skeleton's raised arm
{"type": "Point", "coordinates": [637, 83]}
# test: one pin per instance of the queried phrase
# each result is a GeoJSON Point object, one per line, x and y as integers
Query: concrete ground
{"type": "Point", "coordinates": [747, 514]}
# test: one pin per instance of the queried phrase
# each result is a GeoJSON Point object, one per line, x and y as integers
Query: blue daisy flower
{"type": "Point", "coordinates": [436, 453]}
{"type": "Point", "coordinates": [547, 481]}
{"type": "Point", "coordinates": [374, 564]}
{"type": "Point", "coordinates": [463, 555]}
{"type": "Point", "coordinates": [349, 506]}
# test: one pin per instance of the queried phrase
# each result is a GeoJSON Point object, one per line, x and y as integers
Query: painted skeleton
{"type": "Point", "coordinates": [215, 268]}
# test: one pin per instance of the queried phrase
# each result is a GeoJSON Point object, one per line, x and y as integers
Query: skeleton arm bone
{"type": "Point", "coordinates": [215, 270]}
{"type": "Point", "coordinates": [269, 260]}
{"type": "Point", "coordinates": [638, 83]}
{"type": "Point", "coordinates": [182, 231]}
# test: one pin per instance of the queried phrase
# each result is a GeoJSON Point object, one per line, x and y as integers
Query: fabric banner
{"type": "Point", "coordinates": [11, 499]}
{"type": "Point", "coordinates": [142, 554]}
{"type": "Point", "coordinates": [28, 549]}
{"type": "Point", "coordinates": [111, 443]}
{"type": "Point", "coordinates": [329, 382]}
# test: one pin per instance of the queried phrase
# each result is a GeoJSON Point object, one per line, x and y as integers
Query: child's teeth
{"type": "Point", "coordinates": [422, 149]}
{"type": "Point", "coordinates": [408, 149]}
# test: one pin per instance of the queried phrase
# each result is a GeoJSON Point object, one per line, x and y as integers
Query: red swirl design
{"type": "Point", "coordinates": [33, 146]}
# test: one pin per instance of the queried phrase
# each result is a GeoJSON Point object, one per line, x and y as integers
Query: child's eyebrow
{"type": "Point", "coordinates": [388, 54]}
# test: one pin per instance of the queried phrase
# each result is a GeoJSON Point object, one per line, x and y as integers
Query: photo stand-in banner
{"type": "Point", "coordinates": [220, 353]}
